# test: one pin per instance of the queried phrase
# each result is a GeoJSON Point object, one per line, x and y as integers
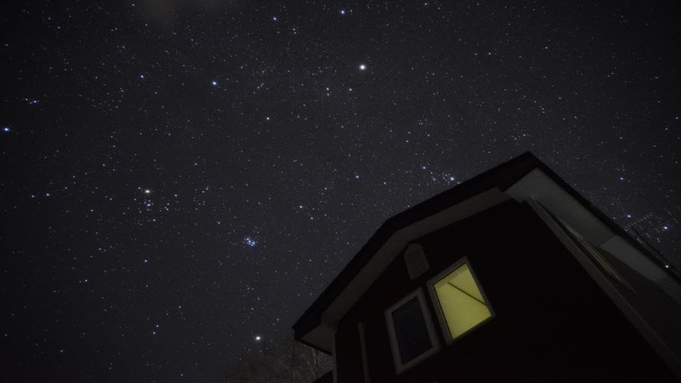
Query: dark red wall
{"type": "Point", "coordinates": [553, 322]}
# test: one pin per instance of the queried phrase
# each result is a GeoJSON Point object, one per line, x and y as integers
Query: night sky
{"type": "Point", "coordinates": [178, 180]}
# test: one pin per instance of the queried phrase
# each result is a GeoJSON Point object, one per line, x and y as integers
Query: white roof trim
{"type": "Point", "coordinates": [658, 343]}
{"type": "Point", "coordinates": [628, 254]}
{"type": "Point", "coordinates": [322, 337]}
{"type": "Point", "coordinates": [538, 186]}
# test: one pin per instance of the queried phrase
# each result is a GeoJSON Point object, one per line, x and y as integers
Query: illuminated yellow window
{"type": "Point", "coordinates": [460, 302]}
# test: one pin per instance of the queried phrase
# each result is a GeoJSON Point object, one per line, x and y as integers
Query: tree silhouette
{"type": "Point", "coordinates": [284, 360]}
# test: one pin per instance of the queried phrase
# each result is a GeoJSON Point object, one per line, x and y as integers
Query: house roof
{"type": "Point", "coordinates": [315, 326]}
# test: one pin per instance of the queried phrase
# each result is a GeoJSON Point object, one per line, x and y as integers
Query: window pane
{"type": "Point", "coordinates": [411, 331]}
{"type": "Point", "coordinates": [461, 301]}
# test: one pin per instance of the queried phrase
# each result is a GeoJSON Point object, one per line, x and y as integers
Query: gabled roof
{"type": "Point", "coordinates": [521, 178]}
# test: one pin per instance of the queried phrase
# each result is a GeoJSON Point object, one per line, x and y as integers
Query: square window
{"type": "Point", "coordinates": [460, 302]}
{"type": "Point", "coordinates": [411, 330]}
{"type": "Point", "coordinates": [412, 336]}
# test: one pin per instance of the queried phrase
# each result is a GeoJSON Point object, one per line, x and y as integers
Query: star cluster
{"type": "Point", "coordinates": [182, 181]}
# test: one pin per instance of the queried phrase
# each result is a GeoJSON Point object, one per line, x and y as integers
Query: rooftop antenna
{"type": "Point", "coordinates": [650, 226]}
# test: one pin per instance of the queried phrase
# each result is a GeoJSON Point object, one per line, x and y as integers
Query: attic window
{"type": "Point", "coordinates": [460, 302]}
{"type": "Point", "coordinates": [412, 336]}
{"type": "Point", "coordinates": [416, 261]}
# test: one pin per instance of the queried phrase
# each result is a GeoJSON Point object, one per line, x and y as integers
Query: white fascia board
{"type": "Point", "coordinates": [321, 337]}
{"type": "Point", "coordinates": [609, 288]}
{"type": "Point", "coordinates": [458, 212]}
{"type": "Point", "coordinates": [537, 186]}
{"type": "Point", "coordinates": [358, 286]}
{"type": "Point", "coordinates": [632, 257]}
{"type": "Point", "coordinates": [624, 251]}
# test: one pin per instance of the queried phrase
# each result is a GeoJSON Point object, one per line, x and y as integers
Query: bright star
{"type": "Point", "coordinates": [258, 338]}
{"type": "Point", "coordinates": [5, 129]}
{"type": "Point", "coordinates": [147, 191]}
{"type": "Point", "coordinates": [362, 67]}
{"type": "Point", "coordinates": [215, 83]}
{"type": "Point", "coordinates": [274, 18]}
{"type": "Point", "coordinates": [342, 11]}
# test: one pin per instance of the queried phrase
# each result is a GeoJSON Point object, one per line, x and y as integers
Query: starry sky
{"type": "Point", "coordinates": [182, 178]}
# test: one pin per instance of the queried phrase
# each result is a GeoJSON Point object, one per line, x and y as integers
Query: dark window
{"type": "Point", "coordinates": [411, 330]}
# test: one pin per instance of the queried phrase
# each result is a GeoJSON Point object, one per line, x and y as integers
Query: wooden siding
{"type": "Point", "coordinates": [553, 322]}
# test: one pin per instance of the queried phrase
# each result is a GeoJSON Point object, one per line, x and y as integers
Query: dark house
{"type": "Point", "coordinates": [510, 276]}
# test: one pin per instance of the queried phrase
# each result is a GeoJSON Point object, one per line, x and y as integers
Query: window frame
{"type": "Point", "coordinates": [438, 307]}
{"type": "Point", "coordinates": [394, 344]}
